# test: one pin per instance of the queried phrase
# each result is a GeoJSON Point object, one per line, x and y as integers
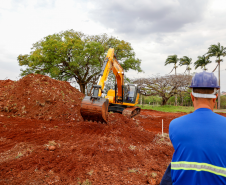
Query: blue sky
{"type": "Point", "coordinates": [155, 29]}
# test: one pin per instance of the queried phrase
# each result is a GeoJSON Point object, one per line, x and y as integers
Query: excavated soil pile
{"type": "Point", "coordinates": [38, 96]}
{"type": "Point", "coordinates": [5, 83]}
{"type": "Point", "coordinates": [54, 152]}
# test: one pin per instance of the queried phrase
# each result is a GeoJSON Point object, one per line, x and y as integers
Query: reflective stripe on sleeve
{"type": "Point", "coordinates": [183, 165]}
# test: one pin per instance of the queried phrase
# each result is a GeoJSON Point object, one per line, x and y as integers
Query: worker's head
{"type": "Point", "coordinates": [204, 90]}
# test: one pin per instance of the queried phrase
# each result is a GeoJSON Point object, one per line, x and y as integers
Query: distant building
{"type": "Point", "coordinates": [223, 93]}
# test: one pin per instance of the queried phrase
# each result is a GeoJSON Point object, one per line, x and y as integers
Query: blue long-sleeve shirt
{"type": "Point", "coordinates": [199, 140]}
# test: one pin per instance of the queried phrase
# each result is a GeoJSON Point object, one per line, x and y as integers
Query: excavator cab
{"type": "Point", "coordinates": [96, 89]}
{"type": "Point", "coordinates": [124, 104]}
{"type": "Point", "coordinates": [130, 93]}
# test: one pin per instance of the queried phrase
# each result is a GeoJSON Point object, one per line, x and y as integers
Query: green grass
{"type": "Point", "coordinates": [168, 108]}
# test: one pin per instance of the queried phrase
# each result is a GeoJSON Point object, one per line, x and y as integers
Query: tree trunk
{"type": "Point", "coordinates": [90, 92]}
{"type": "Point", "coordinates": [164, 101]}
{"type": "Point", "coordinates": [141, 99]}
{"type": "Point", "coordinates": [219, 93]}
{"type": "Point", "coordinates": [82, 88]}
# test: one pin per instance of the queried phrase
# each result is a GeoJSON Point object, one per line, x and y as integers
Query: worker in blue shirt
{"type": "Point", "coordinates": [199, 139]}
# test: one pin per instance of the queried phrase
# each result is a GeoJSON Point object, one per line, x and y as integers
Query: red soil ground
{"type": "Point", "coordinates": [44, 140]}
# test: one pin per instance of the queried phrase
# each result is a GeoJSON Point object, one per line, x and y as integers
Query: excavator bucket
{"type": "Point", "coordinates": [95, 109]}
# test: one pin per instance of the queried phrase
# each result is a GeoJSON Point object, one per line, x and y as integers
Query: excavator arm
{"type": "Point", "coordinates": [94, 107]}
{"type": "Point", "coordinates": [111, 63]}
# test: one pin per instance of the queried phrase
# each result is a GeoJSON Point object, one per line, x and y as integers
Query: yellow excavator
{"type": "Point", "coordinates": [122, 100]}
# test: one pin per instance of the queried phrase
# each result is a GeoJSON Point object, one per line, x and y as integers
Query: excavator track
{"type": "Point", "coordinates": [131, 111]}
{"type": "Point", "coordinates": [95, 110]}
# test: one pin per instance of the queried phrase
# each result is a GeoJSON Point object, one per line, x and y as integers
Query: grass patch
{"type": "Point", "coordinates": [52, 143]}
{"type": "Point", "coordinates": [168, 108]}
{"type": "Point", "coordinates": [19, 155]}
{"type": "Point", "coordinates": [133, 170]}
{"type": "Point", "coordinates": [162, 139]}
{"type": "Point", "coordinates": [154, 175]}
{"type": "Point", "coordinates": [90, 173]}
{"type": "Point", "coordinates": [86, 182]}
{"type": "Point", "coordinates": [132, 147]}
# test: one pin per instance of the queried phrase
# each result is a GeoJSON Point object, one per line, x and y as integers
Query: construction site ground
{"type": "Point", "coordinates": [44, 139]}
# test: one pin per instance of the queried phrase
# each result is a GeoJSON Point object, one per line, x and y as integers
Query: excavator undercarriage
{"type": "Point", "coordinates": [97, 110]}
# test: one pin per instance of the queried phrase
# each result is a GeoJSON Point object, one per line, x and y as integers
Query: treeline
{"type": "Point", "coordinates": [164, 86]}
{"type": "Point", "coordinates": [183, 100]}
{"type": "Point", "coordinates": [156, 100]}
{"type": "Point", "coordinates": [215, 50]}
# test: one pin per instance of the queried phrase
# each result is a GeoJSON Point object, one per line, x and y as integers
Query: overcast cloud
{"type": "Point", "coordinates": [155, 28]}
{"type": "Point", "coordinates": [145, 16]}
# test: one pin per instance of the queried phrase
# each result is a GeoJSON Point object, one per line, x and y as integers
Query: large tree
{"type": "Point", "coordinates": [217, 50]}
{"type": "Point", "coordinates": [164, 86]}
{"type": "Point", "coordinates": [186, 61]}
{"type": "Point", "coordinates": [202, 62]}
{"type": "Point", "coordinates": [73, 55]}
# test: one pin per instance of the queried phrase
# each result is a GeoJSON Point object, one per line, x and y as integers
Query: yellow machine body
{"type": "Point", "coordinates": [111, 97]}
{"type": "Point", "coordinates": [122, 100]}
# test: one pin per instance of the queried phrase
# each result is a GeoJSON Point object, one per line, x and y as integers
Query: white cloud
{"type": "Point", "coordinates": [144, 17]}
{"type": "Point", "coordinates": [25, 22]}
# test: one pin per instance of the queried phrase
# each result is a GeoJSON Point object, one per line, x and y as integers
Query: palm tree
{"type": "Point", "coordinates": [172, 59]}
{"type": "Point", "coordinates": [202, 62]}
{"type": "Point", "coordinates": [186, 61]}
{"type": "Point", "coordinates": [217, 51]}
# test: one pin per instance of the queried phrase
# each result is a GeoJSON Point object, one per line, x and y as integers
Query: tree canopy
{"type": "Point", "coordinates": [74, 55]}
{"type": "Point", "coordinates": [172, 59]}
{"type": "Point", "coordinates": [186, 61]}
{"type": "Point", "coordinates": [202, 62]}
{"type": "Point", "coordinates": [217, 50]}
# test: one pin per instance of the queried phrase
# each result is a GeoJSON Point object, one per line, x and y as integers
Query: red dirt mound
{"type": "Point", "coordinates": [38, 96]}
{"type": "Point", "coordinates": [4, 83]}
{"type": "Point", "coordinates": [120, 152]}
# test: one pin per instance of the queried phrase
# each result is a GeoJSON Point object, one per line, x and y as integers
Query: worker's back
{"type": "Point", "coordinates": [199, 141]}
